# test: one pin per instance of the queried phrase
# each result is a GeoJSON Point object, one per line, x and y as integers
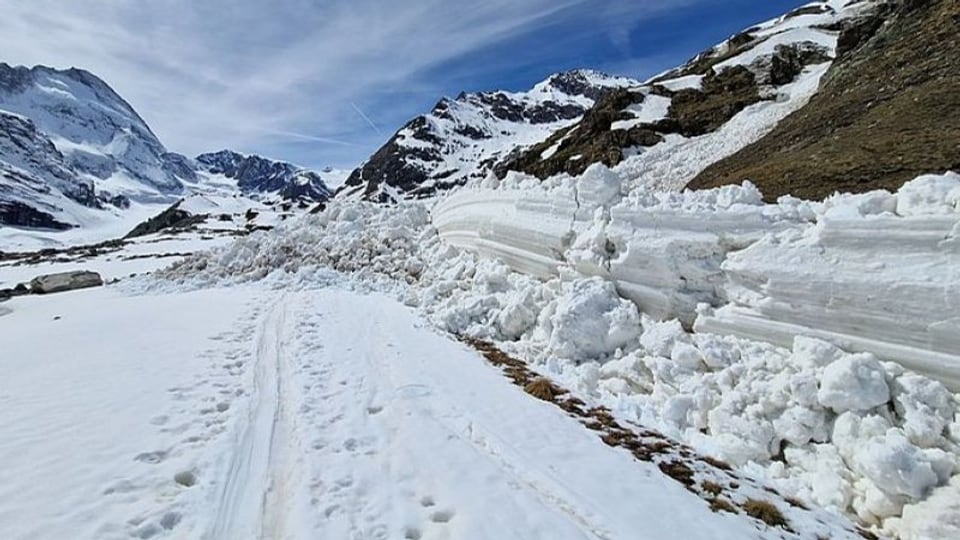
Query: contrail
{"type": "Point", "coordinates": [312, 138]}
{"type": "Point", "coordinates": [365, 117]}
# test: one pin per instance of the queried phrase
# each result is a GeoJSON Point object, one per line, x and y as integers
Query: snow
{"type": "Point", "coordinates": [828, 424]}
{"type": "Point", "coordinates": [102, 397]}
{"type": "Point", "coordinates": [590, 320]}
{"type": "Point", "coordinates": [692, 82]}
{"type": "Point", "coordinates": [238, 418]}
{"type": "Point", "coordinates": [857, 248]}
{"type": "Point", "coordinates": [652, 109]}
{"type": "Point", "coordinates": [805, 35]}
{"type": "Point", "coordinates": [302, 382]}
{"type": "Point", "coordinates": [854, 383]}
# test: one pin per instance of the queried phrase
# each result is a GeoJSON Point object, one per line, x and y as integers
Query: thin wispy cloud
{"type": "Point", "coordinates": [253, 76]}
{"type": "Point", "coordinates": [365, 118]}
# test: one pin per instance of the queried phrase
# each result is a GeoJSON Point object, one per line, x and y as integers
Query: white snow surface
{"type": "Point", "coordinates": [851, 428]}
{"type": "Point", "coordinates": [251, 412]}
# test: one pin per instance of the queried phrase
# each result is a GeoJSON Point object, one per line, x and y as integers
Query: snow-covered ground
{"type": "Point", "coordinates": [249, 412]}
{"type": "Point", "coordinates": [861, 437]}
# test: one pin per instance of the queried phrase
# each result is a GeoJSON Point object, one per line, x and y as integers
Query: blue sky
{"type": "Point", "coordinates": [326, 82]}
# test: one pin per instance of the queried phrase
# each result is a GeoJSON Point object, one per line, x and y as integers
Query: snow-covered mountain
{"type": "Point", "coordinates": [463, 138]}
{"type": "Point", "coordinates": [74, 154]}
{"type": "Point", "coordinates": [550, 346]}
{"type": "Point", "coordinates": [664, 132]}
{"type": "Point", "coordinates": [255, 174]}
{"type": "Point", "coordinates": [98, 133]}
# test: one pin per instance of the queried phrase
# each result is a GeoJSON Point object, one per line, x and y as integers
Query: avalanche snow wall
{"type": "Point", "coordinates": [876, 272]}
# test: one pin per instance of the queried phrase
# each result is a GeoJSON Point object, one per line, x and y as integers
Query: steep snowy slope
{"type": "Point", "coordinates": [98, 132]}
{"type": "Point", "coordinates": [463, 138]}
{"type": "Point", "coordinates": [661, 133]}
{"type": "Point", "coordinates": [35, 183]}
{"type": "Point", "coordinates": [666, 131]}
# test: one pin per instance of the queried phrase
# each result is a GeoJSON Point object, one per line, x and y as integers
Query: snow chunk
{"type": "Point", "coordinates": [896, 466]}
{"type": "Point", "coordinates": [855, 382]}
{"type": "Point", "coordinates": [660, 338]}
{"type": "Point", "coordinates": [591, 320]}
{"type": "Point", "coordinates": [930, 194]}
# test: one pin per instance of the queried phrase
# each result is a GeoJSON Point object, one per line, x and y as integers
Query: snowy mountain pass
{"type": "Point", "coordinates": [247, 413]}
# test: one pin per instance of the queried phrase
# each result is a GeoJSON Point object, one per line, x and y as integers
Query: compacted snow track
{"type": "Point", "coordinates": [254, 493]}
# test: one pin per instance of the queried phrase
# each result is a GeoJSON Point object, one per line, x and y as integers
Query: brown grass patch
{"type": "Point", "coordinates": [766, 512]}
{"type": "Point", "coordinates": [679, 471]}
{"type": "Point", "coordinates": [796, 503]}
{"type": "Point", "coordinates": [541, 388]}
{"type": "Point", "coordinates": [712, 488]}
{"type": "Point", "coordinates": [716, 463]}
{"type": "Point", "coordinates": [722, 505]}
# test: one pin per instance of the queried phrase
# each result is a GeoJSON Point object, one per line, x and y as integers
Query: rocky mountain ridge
{"type": "Point", "coordinates": [462, 139]}
{"type": "Point", "coordinates": [788, 104]}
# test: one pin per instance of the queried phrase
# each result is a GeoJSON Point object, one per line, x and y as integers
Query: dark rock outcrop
{"type": "Point", "coordinates": [171, 219]}
{"type": "Point", "coordinates": [18, 214]}
{"type": "Point", "coordinates": [591, 141]}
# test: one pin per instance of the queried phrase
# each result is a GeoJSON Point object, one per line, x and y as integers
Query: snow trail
{"type": "Point", "coordinates": [255, 492]}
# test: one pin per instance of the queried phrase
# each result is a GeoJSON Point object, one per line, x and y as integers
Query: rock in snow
{"type": "Point", "coordinates": [66, 281]}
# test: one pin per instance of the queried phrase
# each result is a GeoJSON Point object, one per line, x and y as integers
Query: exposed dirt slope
{"type": "Point", "coordinates": [888, 110]}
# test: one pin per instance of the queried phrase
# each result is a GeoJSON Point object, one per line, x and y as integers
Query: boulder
{"type": "Point", "coordinates": [19, 290]}
{"type": "Point", "coordinates": [65, 281]}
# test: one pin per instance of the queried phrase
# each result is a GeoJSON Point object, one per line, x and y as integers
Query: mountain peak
{"type": "Point", "coordinates": [583, 82]}
{"type": "Point", "coordinates": [257, 174]}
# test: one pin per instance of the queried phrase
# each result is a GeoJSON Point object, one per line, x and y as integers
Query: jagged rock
{"type": "Point", "coordinates": [18, 214]}
{"type": "Point", "coordinates": [66, 281]}
{"type": "Point", "coordinates": [172, 218]}
{"type": "Point", "coordinates": [699, 111]}
{"type": "Point", "coordinates": [20, 290]}
{"type": "Point", "coordinates": [593, 140]}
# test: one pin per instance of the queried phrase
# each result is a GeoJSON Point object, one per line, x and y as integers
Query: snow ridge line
{"type": "Point", "coordinates": [241, 510]}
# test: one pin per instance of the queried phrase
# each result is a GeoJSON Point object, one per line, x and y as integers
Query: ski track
{"type": "Point", "coordinates": [253, 479]}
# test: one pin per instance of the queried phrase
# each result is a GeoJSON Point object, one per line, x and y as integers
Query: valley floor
{"type": "Point", "coordinates": [253, 413]}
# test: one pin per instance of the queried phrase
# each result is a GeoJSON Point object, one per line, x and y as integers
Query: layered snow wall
{"type": "Point", "coordinates": [875, 272]}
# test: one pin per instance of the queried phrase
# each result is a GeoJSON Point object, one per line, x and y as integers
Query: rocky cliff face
{"type": "Point", "coordinates": [33, 175]}
{"type": "Point", "coordinates": [463, 138]}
